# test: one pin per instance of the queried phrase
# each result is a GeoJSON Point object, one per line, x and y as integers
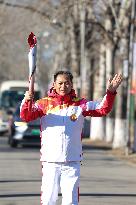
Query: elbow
{"type": "Point", "coordinates": [107, 111]}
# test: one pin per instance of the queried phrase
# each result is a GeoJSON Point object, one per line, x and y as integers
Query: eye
{"type": "Point", "coordinates": [67, 83]}
{"type": "Point", "coordinates": [60, 83]}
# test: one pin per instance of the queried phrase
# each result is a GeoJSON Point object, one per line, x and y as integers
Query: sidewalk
{"type": "Point", "coordinates": [118, 152]}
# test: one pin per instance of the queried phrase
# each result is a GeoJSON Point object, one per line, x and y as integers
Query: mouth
{"type": "Point", "coordinates": [63, 92]}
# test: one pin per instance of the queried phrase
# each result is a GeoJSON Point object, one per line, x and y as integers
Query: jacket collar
{"type": "Point", "coordinates": [65, 99]}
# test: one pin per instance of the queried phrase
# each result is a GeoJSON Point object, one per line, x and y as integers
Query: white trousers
{"type": "Point", "coordinates": [64, 176]}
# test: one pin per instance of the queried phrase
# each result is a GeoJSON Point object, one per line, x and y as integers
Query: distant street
{"type": "Point", "coordinates": [105, 180]}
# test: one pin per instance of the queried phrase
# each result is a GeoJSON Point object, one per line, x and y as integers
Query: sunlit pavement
{"type": "Point", "coordinates": [105, 180]}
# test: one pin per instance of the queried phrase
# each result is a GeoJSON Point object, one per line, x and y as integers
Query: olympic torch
{"type": "Point", "coordinates": [32, 41]}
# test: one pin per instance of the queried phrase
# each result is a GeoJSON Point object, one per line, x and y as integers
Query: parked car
{"type": "Point", "coordinates": [22, 133]}
{"type": "Point", "coordinates": [4, 122]}
{"type": "Point", "coordinates": [11, 92]}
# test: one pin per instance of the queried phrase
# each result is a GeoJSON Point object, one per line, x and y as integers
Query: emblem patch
{"type": "Point", "coordinates": [73, 117]}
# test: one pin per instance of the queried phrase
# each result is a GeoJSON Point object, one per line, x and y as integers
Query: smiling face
{"type": "Point", "coordinates": [63, 84]}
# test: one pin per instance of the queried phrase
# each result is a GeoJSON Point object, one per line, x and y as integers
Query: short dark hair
{"type": "Point", "coordinates": [62, 72]}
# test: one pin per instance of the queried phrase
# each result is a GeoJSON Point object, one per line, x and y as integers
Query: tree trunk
{"type": "Point", "coordinates": [120, 131]}
{"type": "Point", "coordinates": [109, 73]}
{"type": "Point", "coordinates": [120, 116]}
{"type": "Point", "coordinates": [74, 57]}
{"type": "Point", "coordinates": [98, 123]}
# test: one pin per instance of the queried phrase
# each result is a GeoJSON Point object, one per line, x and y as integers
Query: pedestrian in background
{"type": "Point", "coordinates": [62, 115]}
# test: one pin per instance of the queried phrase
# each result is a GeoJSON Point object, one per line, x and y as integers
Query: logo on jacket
{"type": "Point", "coordinates": [73, 117]}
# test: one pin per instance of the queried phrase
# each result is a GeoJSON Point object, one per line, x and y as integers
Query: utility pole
{"type": "Point", "coordinates": [130, 71]}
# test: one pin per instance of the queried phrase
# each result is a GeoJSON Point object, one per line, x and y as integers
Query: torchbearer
{"type": "Point", "coordinates": [32, 41]}
{"type": "Point", "coordinates": [62, 115]}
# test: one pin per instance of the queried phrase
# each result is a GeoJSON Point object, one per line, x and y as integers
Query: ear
{"type": "Point", "coordinates": [53, 84]}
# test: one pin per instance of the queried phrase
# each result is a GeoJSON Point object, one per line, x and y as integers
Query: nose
{"type": "Point", "coordinates": [63, 85]}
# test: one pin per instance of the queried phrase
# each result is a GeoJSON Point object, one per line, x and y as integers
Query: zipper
{"type": "Point", "coordinates": [63, 135]}
{"type": "Point", "coordinates": [62, 101]}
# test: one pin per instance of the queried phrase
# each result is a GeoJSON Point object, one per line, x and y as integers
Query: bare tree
{"type": "Point", "coordinates": [80, 29]}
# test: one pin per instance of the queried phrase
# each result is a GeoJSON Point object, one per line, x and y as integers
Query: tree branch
{"type": "Point", "coordinates": [107, 34]}
{"type": "Point", "coordinates": [32, 9]}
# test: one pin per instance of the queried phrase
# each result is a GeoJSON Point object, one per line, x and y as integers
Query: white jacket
{"type": "Point", "coordinates": [60, 133]}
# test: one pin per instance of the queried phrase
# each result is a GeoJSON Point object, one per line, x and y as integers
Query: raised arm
{"type": "Point", "coordinates": [98, 109]}
{"type": "Point", "coordinates": [25, 113]}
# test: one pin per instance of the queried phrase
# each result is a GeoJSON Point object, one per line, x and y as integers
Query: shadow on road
{"type": "Point", "coordinates": [81, 194]}
{"type": "Point", "coordinates": [20, 180]}
{"type": "Point", "coordinates": [97, 147]}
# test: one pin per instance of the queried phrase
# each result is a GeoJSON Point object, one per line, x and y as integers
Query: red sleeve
{"type": "Point", "coordinates": [27, 115]}
{"type": "Point", "coordinates": [102, 108]}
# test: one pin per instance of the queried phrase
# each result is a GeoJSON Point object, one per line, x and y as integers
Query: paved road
{"type": "Point", "coordinates": [104, 179]}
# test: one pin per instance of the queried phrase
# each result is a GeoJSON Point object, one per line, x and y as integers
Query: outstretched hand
{"type": "Point", "coordinates": [113, 83]}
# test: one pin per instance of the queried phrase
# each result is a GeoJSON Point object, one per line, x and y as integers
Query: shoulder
{"type": "Point", "coordinates": [79, 101]}
{"type": "Point", "coordinates": [43, 100]}
{"type": "Point", "coordinates": [44, 103]}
